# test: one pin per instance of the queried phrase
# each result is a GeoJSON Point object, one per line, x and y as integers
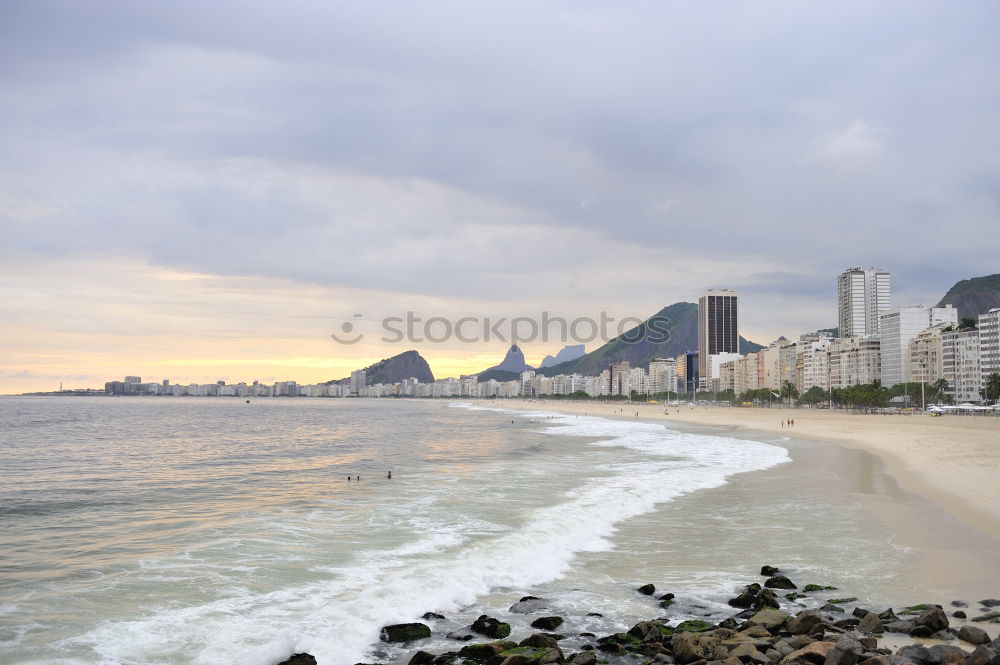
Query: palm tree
{"type": "Point", "coordinates": [789, 392]}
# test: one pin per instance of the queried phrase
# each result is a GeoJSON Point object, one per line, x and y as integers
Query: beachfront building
{"type": "Point", "coordinates": [862, 295]}
{"type": "Point", "coordinates": [814, 365]}
{"type": "Point", "coordinates": [711, 381]}
{"type": "Point", "coordinates": [727, 376]}
{"type": "Point", "coordinates": [358, 381]}
{"type": "Point", "coordinates": [897, 328]}
{"type": "Point", "coordinates": [854, 361]}
{"type": "Point", "coordinates": [989, 343]}
{"type": "Point", "coordinates": [663, 375]}
{"type": "Point", "coordinates": [926, 360]}
{"type": "Point", "coordinates": [960, 351]}
{"type": "Point", "coordinates": [770, 361]}
{"type": "Point", "coordinates": [718, 327]}
{"type": "Point", "coordinates": [787, 356]}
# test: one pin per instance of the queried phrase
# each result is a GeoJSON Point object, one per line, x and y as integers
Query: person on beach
{"type": "Point", "coordinates": [389, 476]}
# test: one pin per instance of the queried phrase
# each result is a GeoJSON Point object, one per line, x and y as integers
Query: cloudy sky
{"type": "Point", "coordinates": [198, 191]}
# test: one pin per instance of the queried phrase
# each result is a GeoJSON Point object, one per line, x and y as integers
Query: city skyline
{"type": "Point", "coordinates": [205, 191]}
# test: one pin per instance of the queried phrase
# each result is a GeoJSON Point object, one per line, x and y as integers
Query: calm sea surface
{"type": "Point", "coordinates": [184, 530]}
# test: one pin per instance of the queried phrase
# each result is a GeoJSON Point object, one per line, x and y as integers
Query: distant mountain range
{"type": "Point", "coordinates": [972, 297]}
{"type": "Point", "coordinates": [567, 353]}
{"type": "Point", "coordinates": [393, 370]}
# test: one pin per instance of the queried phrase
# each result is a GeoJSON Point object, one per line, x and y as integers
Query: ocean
{"type": "Point", "coordinates": [215, 532]}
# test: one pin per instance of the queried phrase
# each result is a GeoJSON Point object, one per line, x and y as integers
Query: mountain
{"type": "Point", "coordinates": [972, 297]}
{"type": "Point", "coordinates": [395, 369]}
{"type": "Point", "coordinates": [668, 333]}
{"type": "Point", "coordinates": [571, 352]}
{"type": "Point", "coordinates": [513, 361]}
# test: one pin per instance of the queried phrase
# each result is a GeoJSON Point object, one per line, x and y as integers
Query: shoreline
{"type": "Point", "coordinates": [951, 461]}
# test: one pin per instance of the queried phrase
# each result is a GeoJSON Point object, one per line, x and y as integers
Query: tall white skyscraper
{"type": "Point", "coordinates": [897, 328]}
{"type": "Point", "coordinates": [862, 295]}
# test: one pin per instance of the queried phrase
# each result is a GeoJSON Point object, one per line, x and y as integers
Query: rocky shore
{"type": "Point", "coordinates": [762, 633]}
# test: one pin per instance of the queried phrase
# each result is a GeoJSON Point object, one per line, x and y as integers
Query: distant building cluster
{"type": "Point", "coordinates": [873, 342]}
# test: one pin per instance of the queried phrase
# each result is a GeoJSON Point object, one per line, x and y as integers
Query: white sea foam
{"type": "Point", "coordinates": [447, 566]}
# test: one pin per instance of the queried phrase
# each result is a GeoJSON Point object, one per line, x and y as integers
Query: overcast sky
{"type": "Point", "coordinates": [206, 190]}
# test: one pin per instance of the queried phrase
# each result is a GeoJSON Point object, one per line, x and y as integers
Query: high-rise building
{"type": "Point", "coordinates": [897, 328]}
{"type": "Point", "coordinates": [862, 295]}
{"type": "Point", "coordinates": [718, 327]}
{"type": "Point", "coordinates": [989, 343]}
{"type": "Point", "coordinates": [960, 364]}
{"type": "Point", "coordinates": [358, 381]}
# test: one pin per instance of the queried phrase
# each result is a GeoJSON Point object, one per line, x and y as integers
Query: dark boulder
{"type": "Point", "coordinates": [299, 659]}
{"type": "Point", "coordinates": [983, 656]}
{"type": "Point", "coordinates": [547, 623]}
{"type": "Point", "coordinates": [583, 658]}
{"type": "Point", "coordinates": [650, 631]}
{"type": "Point", "coordinates": [529, 605]}
{"type": "Point", "coordinates": [846, 651]}
{"type": "Point", "coordinates": [871, 625]}
{"type": "Point", "coordinates": [421, 658]}
{"type": "Point", "coordinates": [921, 631]}
{"type": "Point", "coordinates": [958, 614]}
{"type": "Point", "coordinates": [989, 616]}
{"type": "Point", "coordinates": [459, 637]}
{"type": "Point", "coordinates": [809, 588]}
{"type": "Point", "coordinates": [404, 632]}
{"type": "Point", "coordinates": [479, 652]}
{"type": "Point", "coordinates": [915, 653]}
{"type": "Point", "coordinates": [933, 618]}
{"type": "Point", "coordinates": [779, 582]}
{"type": "Point", "coordinates": [899, 626]}
{"type": "Point", "coordinates": [947, 654]}
{"type": "Point", "coordinates": [490, 627]}
{"type": "Point", "coordinates": [959, 603]}
{"type": "Point", "coordinates": [990, 602]}
{"type": "Point", "coordinates": [647, 589]}
{"type": "Point", "coordinates": [766, 598]}
{"type": "Point", "coordinates": [769, 571]}
{"type": "Point", "coordinates": [973, 635]}
{"type": "Point", "coordinates": [539, 641]}
{"type": "Point", "coordinates": [431, 616]}
{"type": "Point", "coordinates": [804, 622]}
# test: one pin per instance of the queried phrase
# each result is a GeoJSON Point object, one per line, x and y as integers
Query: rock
{"type": "Point", "coordinates": [404, 632]}
{"type": "Point", "coordinates": [766, 598]}
{"type": "Point", "coordinates": [860, 612]}
{"type": "Point", "coordinates": [779, 582]}
{"type": "Point", "coordinates": [990, 602]}
{"type": "Point", "coordinates": [948, 655]}
{"type": "Point", "coordinates": [877, 660]}
{"type": "Point", "coordinates": [849, 623]}
{"type": "Point", "coordinates": [729, 623]}
{"type": "Point", "coordinates": [748, 653]}
{"type": "Point", "coordinates": [618, 642]}
{"type": "Point", "coordinates": [959, 603]}
{"type": "Point", "coordinates": [871, 624]}
{"type": "Point", "coordinates": [480, 652]}
{"type": "Point", "coordinates": [431, 616]}
{"type": "Point", "coordinates": [842, 601]}
{"type": "Point", "coordinates": [869, 643]}
{"type": "Point", "coordinates": [812, 654]}
{"type": "Point", "coordinates": [809, 588]}
{"type": "Point", "coordinates": [989, 616]}
{"type": "Point", "coordinates": [899, 626]}
{"type": "Point", "coordinates": [691, 647]}
{"type": "Point", "coordinates": [490, 627]}
{"type": "Point", "coordinates": [459, 637]}
{"type": "Point", "coordinates": [583, 658]}
{"type": "Point", "coordinates": [539, 640]}
{"type": "Point", "coordinates": [647, 589]}
{"type": "Point", "coordinates": [804, 622]}
{"type": "Point", "coordinates": [888, 616]}
{"type": "Point", "coordinates": [421, 658]}
{"type": "Point", "coordinates": [958, 614]}
{"type": "Point", "coordinates": [983, 656]}
{"type": "Point", "coordinates": [973, 635]}
{"type": "Point", "coordinates": [529, 605]}
{"type": "Point", "coordinates": [914, 653]}
{"type": "Point", "coordinates": [747, 596]}
{"type": "Point", "coordinates": [547, 623]}
{"type": "Point", "coordinates": [830, 607]}
{"type": "Point", "coordinates": [694, 626]}
{"type": "Point", "coordinates": [595, 614]}
{"type": "Point", "coordinates": [299, 659]}
{"type": "Point", "coordinates": [921, 631]}
{"type": "Point", "coordinates": [769, 571]}
{"type": "Point", "coordinates": [768, 618]}
{"type": "Point", "coordinates": [650, 631]}
{"type": "Point", "coordinates": [933, 618]}
{"type": "Point", "coordinates": [754, 632]}
{"type": "Point", "coordinates": [846, 651]}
